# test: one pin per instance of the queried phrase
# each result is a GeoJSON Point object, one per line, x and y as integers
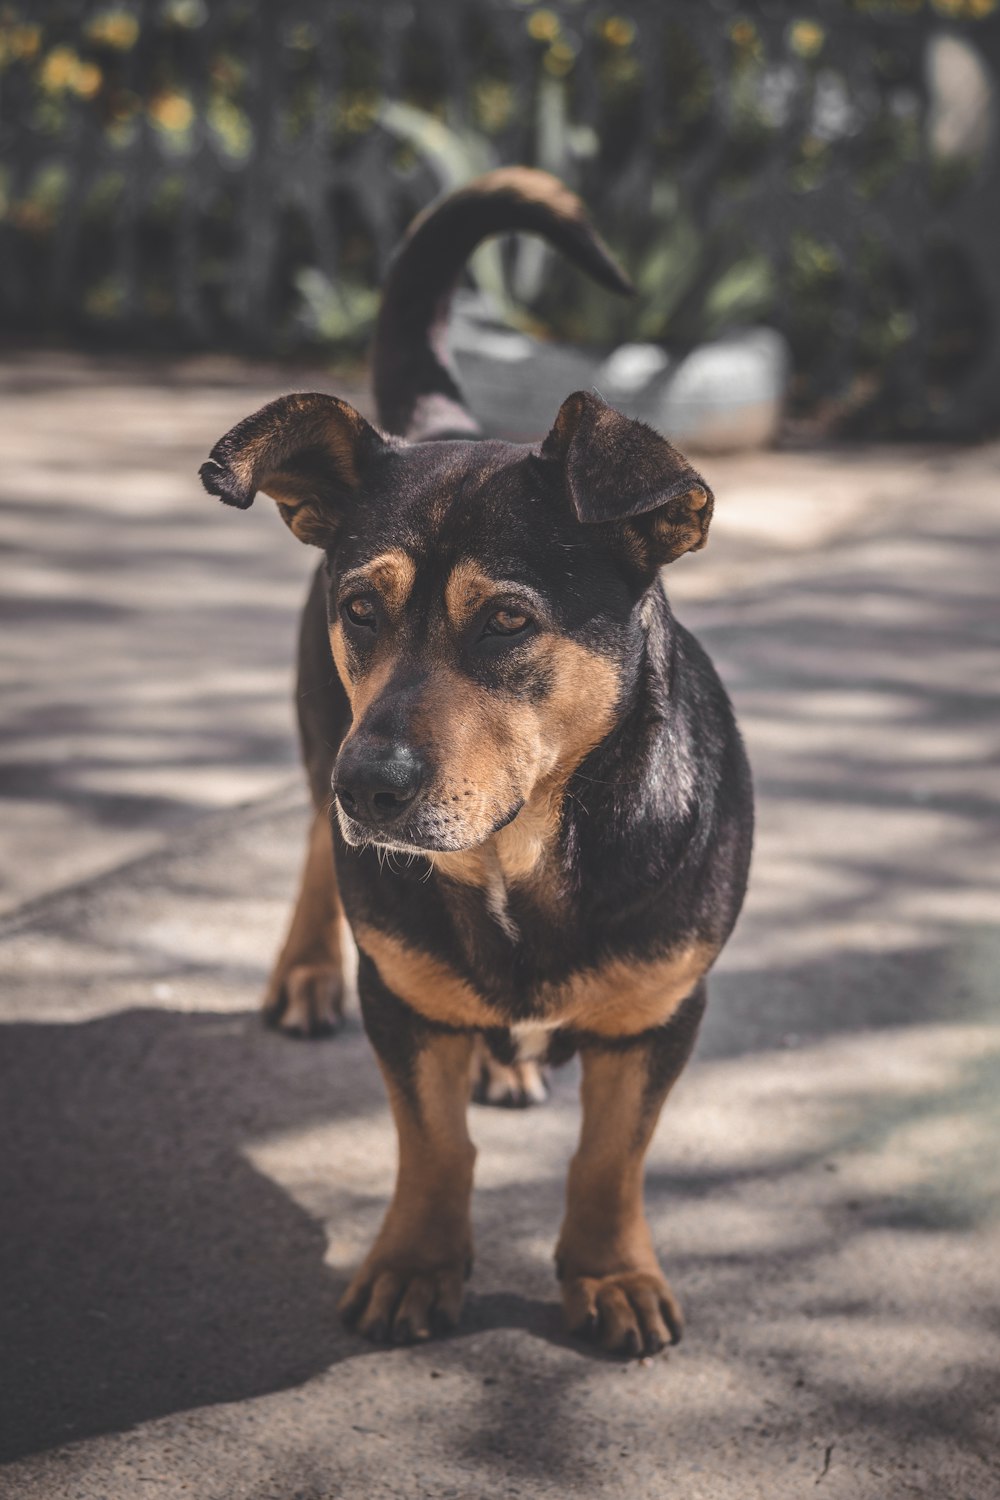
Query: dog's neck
{"type": "Point", "coordinates": [518, 853]}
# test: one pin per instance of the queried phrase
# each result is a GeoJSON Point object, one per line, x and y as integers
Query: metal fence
{"type": "Point", "coordinates": [234, 173]}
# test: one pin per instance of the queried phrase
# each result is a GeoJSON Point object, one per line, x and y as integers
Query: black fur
{"type": "Point", "coordinates": [415, 387]}
{"type": "Point", "coordinates": [656, 825]}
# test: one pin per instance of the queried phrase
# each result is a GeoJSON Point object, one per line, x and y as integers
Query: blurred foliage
{"type": "Point", "coordinates": [236, 173]}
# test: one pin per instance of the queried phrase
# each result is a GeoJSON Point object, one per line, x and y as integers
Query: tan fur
{"type": "Point", "coordinates": [341, 435]}
{"type": "Point", "coordinates": [426, 983]}
{"type": "Point", "coordinates": [682, 528]}
{"type": "Point", "coordinates": [305, 422]}
{"type": "Point", "coordinates": [526, 183]}
{"type": "Point", "coordinates": [605, 1257]}
{"type": "Point", "coordinates": [493, 751]}
{"type": "Point", "coordinates": [536, 187]}
{"type": "Point", "coordinates": [436, 1154]}
{"type": "Point", "coordinates": [515, 1084]}
{"type": "Point", "coordinates": [304, 517]}
{"type": "Point", "coordinates": [338, 649]}
{"type": "Point", "coordinates": [506, 751]}
{"type": "Point", "coordinates": [484, 745]}
{"type": "Point", "coordinates": [605, 1226]}
{"type": "Point", "coordinates": [622, 997]}
{"type": "Point", "coordinates": [524, 844]}
{"type": "Point", "coordinates": [553, 739]}
{"type": "Point", "coordinates": [391, 574]}
{"type": "Point", "coordinates": [362, 691]}
{"type": "Point", "coordinates": [468, 589]}
{"type": "Point", "coordinates": [516, 852]}
{"type": "Point", "coordinates": [305, 989]}
{"type": "Point", "coordinates": [419, 1261]}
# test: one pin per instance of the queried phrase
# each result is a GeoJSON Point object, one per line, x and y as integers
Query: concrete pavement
{"type": "Point", "coordinates": [184, 1194]}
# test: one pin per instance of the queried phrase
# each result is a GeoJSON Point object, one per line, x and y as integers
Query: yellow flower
{"type": "Point", "coordinates": [172, 111]}
{"type": "Point", "coordinates": [86, 80]}
{"type": "Point", "coordinates": [114, 28]}
{"type": "Point", "coordinates": [543, 25]}
{"type": "Point", "coordinates": [806, 37]}
{"type": "Point", "coordinates": [559, 59]}
{"type": "Point", "coordinates": [59, 69]}
{"type": "Point", "coordinates": [23, 41]}
{"type": "Point", "coordinates": [619, 31]}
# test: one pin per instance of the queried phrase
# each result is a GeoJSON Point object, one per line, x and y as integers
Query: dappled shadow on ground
{"type": "Point", "coordinates": [184, 1194]}
{"type": "Point", "coordinates": [149, 1265]}
{"type": "Point", "coordinates": [154, 638]}
{"type": "Point", "coordinates": [146, 1266]}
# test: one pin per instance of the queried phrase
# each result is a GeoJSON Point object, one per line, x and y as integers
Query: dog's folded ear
{"type": "Point", "coordinates": [308, 452]}
{"type": "Point", "coordinates": [619, 472]}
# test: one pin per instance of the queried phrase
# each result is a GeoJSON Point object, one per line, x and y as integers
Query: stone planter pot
{"type": "Point", "coordinates": [725, 396]}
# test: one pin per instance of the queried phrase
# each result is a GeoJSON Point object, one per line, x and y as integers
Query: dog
{"type": "Point", "coordinates": [543, 808]}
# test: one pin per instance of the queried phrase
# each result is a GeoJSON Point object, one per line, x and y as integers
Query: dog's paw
{"type": "Point", "coordinates": [511, 1087]}
{"type": "Point", "coordinates": [306, 1001]}
{"type": "Point", "coordinates": [631, 1312]}
{"type": "Point", "coordinates": [391, 1304]}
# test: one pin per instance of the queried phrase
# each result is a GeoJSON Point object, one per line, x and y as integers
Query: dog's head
{"type": "Point", "coordinates": [483, 599]}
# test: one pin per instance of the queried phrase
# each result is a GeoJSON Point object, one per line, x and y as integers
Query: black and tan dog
{"type": "Point", "coordinates": [543, 808]}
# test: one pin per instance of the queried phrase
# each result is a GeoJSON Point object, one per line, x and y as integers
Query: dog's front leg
{"type": "Point", "coordinates": [411, 1283]}
{"type": "Point", "coordinates": [305, 994]}
{"type": "Point", "coordinates": [612, 1287]}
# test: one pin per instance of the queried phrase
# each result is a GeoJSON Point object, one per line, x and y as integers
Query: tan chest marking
{"type": "Point", "coordinates": [425, 982]}
{"type": "Point", "coordinates": [625, 996]}
{"type": "Point", "coordinates": [622, 997]}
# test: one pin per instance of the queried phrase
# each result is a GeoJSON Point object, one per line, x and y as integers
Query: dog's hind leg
{"type": "Point", "coordinates": [612, 1287]}
{"type": "Point", "coordinates": [510, 1085]}
{"type": "Point", "coordinates": [305, 994]}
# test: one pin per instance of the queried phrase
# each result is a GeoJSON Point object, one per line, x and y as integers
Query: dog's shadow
{"type": "Point", "coordinates": [147, 1266]}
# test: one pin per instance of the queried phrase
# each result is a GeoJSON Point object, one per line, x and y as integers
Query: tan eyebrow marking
{"type": "Point", "coordinates": [468, 588]}
{"type": "Point", "coordinates": [391, 573]}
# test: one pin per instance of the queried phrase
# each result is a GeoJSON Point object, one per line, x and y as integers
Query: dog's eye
{"type": "Point", "coordinates": [506, 622]}
{"type": "Point", "coordinates": [359, 611]}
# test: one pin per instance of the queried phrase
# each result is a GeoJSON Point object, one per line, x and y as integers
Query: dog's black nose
{"type": "Point", "coordinates": [377, 786]}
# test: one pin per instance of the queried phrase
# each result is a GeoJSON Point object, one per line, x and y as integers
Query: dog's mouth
{"type": "Point", "coordinates": [419, 837]}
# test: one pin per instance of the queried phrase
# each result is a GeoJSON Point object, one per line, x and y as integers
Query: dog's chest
{"type": "Point", "coordinates": [514, 940]}
{"type": "Point", "coordinates": [615, 995]}
{"type": "Point", "coordinates": [542, 967]}
{"type": "Point", "coordinates": [526, 957]}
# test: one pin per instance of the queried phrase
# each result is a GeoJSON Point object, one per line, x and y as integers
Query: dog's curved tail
{"type": "Point", "coordinates": [415, 389]}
